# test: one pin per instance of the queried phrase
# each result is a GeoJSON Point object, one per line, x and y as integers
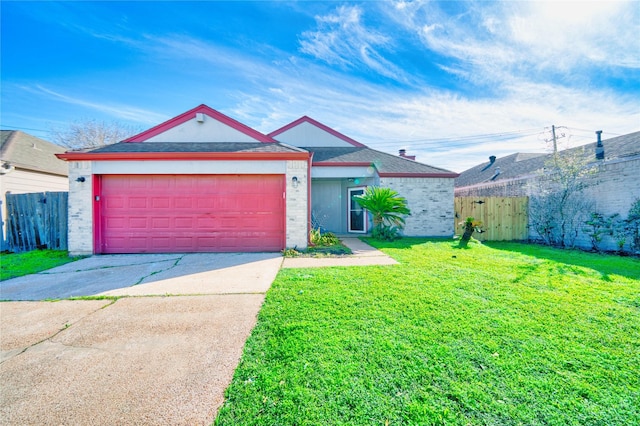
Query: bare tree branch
{"type": "Point", "coordinates": [91, 133]}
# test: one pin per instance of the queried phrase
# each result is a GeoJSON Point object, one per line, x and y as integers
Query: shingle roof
{"type": "Point", "coordinates": [28, 152]}
{"type": "Point", "coordinates": [523, 164]}
{"type": "Point", "coordinates": [384, 163]}
{"type": "Point", "coordinates": [194, 147]}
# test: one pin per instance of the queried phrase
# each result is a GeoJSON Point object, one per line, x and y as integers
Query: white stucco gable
{"type": "Point", "coordinates": [306, 132]}
{"type": "Point", "coordinates": [202, 128]}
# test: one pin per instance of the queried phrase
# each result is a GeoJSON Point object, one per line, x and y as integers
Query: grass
{"type": "Point", "coordinates": [18, 264]}
{"type": "Point", "coordinates": [497, 334]}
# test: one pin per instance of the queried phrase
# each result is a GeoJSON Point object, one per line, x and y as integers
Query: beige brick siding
{"type": "Point", "coordinates": [613, 189]}
{"type": "Point", "coordinates": [431, 203]}
{"type": "Point", "coordinates": [297, 204]}
{"type": "Point", "coordinates": [80, 209]}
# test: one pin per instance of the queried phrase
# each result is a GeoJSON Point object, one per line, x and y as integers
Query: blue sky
{"type": "Point", "coordinates": [452, 82]}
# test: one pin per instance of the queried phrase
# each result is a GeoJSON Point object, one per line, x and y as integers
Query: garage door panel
{"type": "Point", "coordinates": [172, 213]}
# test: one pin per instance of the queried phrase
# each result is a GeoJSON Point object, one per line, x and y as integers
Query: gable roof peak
{"type": "Point", "coordinates": [319, 125]}
{"type": "Point", "coordinates": [188, 115]}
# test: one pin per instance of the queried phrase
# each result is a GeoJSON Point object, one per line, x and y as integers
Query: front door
{"type": "Point", "coordinates": [357, 215]}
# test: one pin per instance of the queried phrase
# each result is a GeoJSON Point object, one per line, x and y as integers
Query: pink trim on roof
{"type": "Point", "coordinates": [387, 174]}
{"type": "Point", "coordinates": [171, 156]}
{"type": "Point", "coordinates": [319, 125]}
{"type": "Point", "coordinates": [343, 164]}
{"type": "Point", "coordinates": [420, 175]}
{"type": "Point", "coordinates": [184, 117]}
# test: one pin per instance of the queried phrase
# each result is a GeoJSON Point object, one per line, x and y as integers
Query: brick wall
{"type": "Point", "coordinates": [612, 190]}
{"type": "Point", "coordinates": [297, 205]}
{"type": "Point", "coordinates": [431, 203]}
{"type": "Point", "coordinates": [80, 209]}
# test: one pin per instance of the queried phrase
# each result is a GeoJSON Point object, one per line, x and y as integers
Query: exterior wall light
{"type": "Point", "coordinates": [80, 179]}
{"type": "Point", "coordinates": [294, 181]}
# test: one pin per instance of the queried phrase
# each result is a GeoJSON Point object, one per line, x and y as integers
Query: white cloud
{"type": "Point", "coordinates": [342, 39]}
{"type": "Point", "coordinates": [499, 41]}
{"type": "Point", "coordinates": [119, 111]}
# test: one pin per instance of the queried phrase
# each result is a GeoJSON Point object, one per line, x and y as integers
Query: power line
{"type": "Point", "coordinates": [468, 137]}
{"type": "Point", "coordinates": [23, 128]}
{"type": "Point", "coordinates": [459, 141]}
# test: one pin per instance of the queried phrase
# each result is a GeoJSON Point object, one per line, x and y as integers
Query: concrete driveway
{"type": "Point", "coordinates": [164, 356]}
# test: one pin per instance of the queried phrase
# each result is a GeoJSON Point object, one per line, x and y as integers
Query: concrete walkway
{"type": "Point", "coordinates": [363, 255]}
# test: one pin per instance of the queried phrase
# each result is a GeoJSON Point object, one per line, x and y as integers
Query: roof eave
{"type": "Point", "coordinates": [420, 175]}
{"type": "Point", "coordinates": [168, 156]}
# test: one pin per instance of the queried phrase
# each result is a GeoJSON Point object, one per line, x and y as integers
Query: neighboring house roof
{"type": "Point", "coordinates": [387, 165]}
{"type": "Point", "coordinates": [28, 152]}
{"type": "Point", "coordinates": [508, 167]}
{"type": "Point", "coordinates": [524, 164]}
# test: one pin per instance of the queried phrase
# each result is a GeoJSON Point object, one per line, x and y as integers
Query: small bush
{"type": "Point", "coordinates": [319, 239]}
{"type": "Point", "coordinates": [290, 252]}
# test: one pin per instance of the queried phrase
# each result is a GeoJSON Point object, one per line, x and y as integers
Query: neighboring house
{"type": "Point", "coordinates": [202, 181]}
{"type": "Point", "coordinates": [28, 164]}
{"type": "Point", "coordinates": [612, 189]}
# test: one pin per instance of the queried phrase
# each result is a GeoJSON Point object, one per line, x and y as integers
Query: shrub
{"type": "Point", "coordinates": [633, 226]}
{"type": "Point", "coordinates": [386, 233]}
{"type": "Point", "coordinates": [599, 225]}
{"type": "Point", "coordinates": [319, 239]}
{"type": "Point", "coordinates": [388, 209]}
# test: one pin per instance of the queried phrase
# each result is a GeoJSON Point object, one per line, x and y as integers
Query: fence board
{"type": "Point", "coordinates": [503, 218]}
{"type": "Point", "coordinates": [37, 221]}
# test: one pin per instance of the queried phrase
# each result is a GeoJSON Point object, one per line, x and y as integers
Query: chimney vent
{"type": "Point", "coordinates": [599, 146]}
{"type": "Point", "coordinates": [403, 154]}
{"type": "Point", "coordinates": [492, 159]}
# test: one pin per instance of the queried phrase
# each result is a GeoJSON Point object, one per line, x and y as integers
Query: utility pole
{"type": "Point", "coordinates": [555, 143]}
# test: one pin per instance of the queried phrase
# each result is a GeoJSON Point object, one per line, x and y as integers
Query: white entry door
{"type": "Point", "coordinates": [357, 215]}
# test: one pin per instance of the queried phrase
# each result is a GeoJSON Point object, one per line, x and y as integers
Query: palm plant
{"type": "Point", "coordinates": [387, 207]}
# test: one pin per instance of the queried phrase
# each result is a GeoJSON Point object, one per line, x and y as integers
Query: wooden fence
{"type": "Point", "coordinates": [37, 221]}
{"type": "Point", "coordinates": [503, 218]}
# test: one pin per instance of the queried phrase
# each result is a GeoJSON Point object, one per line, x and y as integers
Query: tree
{"type": "Point", "coordinates": [388, 209]}
{"type": "Point", "coordinates": [91, 134]}
{"type": "Point", "coordinates": [558, 206]}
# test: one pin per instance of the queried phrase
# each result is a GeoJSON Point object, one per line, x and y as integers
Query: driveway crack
{"type": "Point", "coordinates": [53, 336]}
{"type": "Point", "coordinates": [161, 270]}
{"type": "Point", "coordinates": [114, 266]}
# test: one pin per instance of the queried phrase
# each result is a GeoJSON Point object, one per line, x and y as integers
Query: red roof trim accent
{"type": "Point", "coordinates": [168, 156]}
{"type": "Point", "coordinates": [319, 125]}
{"type": "Point", "coordinates": [343, 164]}
{"type": "Point", "coordinates": [186, 116]}
{"type": "Point", "coordinates": [389, 174]}
{"type": "Point", "coordinates": [417, 175]}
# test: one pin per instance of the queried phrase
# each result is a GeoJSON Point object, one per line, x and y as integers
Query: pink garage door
{"type": "Point", "coordinates": [190, 213]}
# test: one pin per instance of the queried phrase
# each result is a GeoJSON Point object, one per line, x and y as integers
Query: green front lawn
{"type": "Point", "coordinates": [18, 264]}
{"type": "Point", "coordinates": [498, 334]}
